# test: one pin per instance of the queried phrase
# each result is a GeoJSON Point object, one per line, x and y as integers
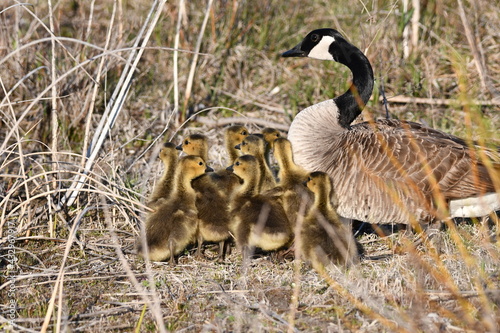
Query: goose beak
{"type": "Point", "coordinates": [295, 52]}
{"type": "Point", "coordinates": [179, 147]}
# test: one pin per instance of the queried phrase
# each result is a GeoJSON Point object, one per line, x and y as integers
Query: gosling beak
{"type": "Point", "coordinates": [209, 169]}
{"type": "Point", "coordinates": [230, 168]}
{"type": "Point", "coordinates": [295, 52]}
{"type": "Point", "coordinates": [238, 146]}
{"type": "Point", "coordinates": [179, 147]}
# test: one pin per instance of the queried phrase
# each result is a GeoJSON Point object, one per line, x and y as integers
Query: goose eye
{"type": "Point", "coordinates": [315, 38]}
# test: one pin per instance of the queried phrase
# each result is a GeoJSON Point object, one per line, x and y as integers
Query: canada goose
{"type": "Point", "coordinates": [173, 225]}
{"type": "Point", "coordinates": [212, 198]}
{"type": "Point", "coordinates": [233, 136]}
{"type": "Point", "coordinates": [168, 156]}
{"type": "Point", "coordinates": [386, 170]}
{"type": "Point", "coordinates": [257, 220]}
{"type": "Point", "coordinates": [290, 180]}
{"type": "Point", "coordinates": [256, 146]}
{"type": "Point", "coordinates": [325, 240]}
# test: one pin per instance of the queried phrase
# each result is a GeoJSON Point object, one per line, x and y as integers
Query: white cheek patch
{"type": "Point", "coordinates": [320, 51]}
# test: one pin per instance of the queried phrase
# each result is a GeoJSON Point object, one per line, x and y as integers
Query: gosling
{"type": "Point", "coordinates": [257, 220]}
{"type": "Point", "coordinates": [163, 188]}
{"type": "Point", "coordinates": [212, 198]}
{"type": "Point", "coordinates": [325, 240]}
{"type": "Point", "coordinates": [173, 226]}
{"type": "Point", "coordinates": [256, 146]}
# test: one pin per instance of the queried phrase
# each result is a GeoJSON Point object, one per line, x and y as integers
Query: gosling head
{"type": "Point", "coordinates": [320, 184]}
{"type": "Point", "coordinates": [245, 167]}
{"type": "Point", "coordinates": [194, 144]}
{"type": "Point", "coordinates": [252, 145]}
{"type": "Point", "coordinates": [168, 150]}
{"type": "Point", "coordinates": [235, 134]}
{"type": "Point", "coordinates": [270, 135]}
{"type": "Point", "coordinates": [193, 166]}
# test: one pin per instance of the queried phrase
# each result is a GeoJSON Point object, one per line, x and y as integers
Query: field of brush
{"type": "Point", "coordinates": [89, 91]}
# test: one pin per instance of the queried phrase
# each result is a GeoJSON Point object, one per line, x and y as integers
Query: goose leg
{"type": "Point", "coordinates": [171, 245]}
{"type": "Point", "coordinates": [200, 244]}
{"type": "Point", "coordinates": [222, 251]}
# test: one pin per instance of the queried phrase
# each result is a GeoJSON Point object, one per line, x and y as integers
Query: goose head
{"type": "Point", "coordinates": [323, 44]}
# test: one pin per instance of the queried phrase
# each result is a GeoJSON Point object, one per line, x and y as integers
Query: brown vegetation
{"type": "Point", "coordinates": [61, 64]}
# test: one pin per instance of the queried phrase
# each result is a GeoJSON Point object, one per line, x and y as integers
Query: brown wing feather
{"type": "Point", "coordinates": [390, 170]}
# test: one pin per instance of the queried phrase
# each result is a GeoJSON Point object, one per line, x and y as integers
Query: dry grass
{"type": "Point", "coordinates": [75, 268]}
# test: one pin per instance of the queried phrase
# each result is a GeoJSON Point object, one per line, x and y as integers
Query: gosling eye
{"type": "Point", "coordinates": [237, 163]}
{"type": "Point", "coordinates": [315, 38]}
{"type": "Point", "coordinates": [186, 142]}
{"type": "Point", "coordinates": [201, 163]}
{"type": "Point", "coordinates": [244, 132]}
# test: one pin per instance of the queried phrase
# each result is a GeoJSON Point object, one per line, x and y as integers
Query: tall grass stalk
{"type": "Point", "coordinates": [115, 105]}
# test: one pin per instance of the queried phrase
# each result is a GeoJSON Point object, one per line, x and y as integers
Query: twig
{"type": "Point", "coordinates": [250, 101]}
{"type": "Point", "coordinates": [154, 302]}
{"type": "Point", "coordinates": [437, 101]}
{"type": "Point", "coordinates": [240, 120]}
{"type": "Point", "coordinates": [59, 281]}
{"type": "Point", "coordinates": [189, 84]}
{"type": "Point", "coordinates": [481, 67]}
{"type": "Point", "coordinates": [115, 105]}
{"type": "Point", "coordinates": [180, 10]}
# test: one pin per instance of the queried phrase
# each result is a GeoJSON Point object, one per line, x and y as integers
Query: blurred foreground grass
{"type": "Point", "coordinates": [105, 287]}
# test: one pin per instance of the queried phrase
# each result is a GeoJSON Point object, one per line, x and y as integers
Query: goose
{"type": "Point", "coordinates": [256, 146]}
{"type": "Point", "coordinates": [212, 198]}
{"type": "Point", "coordinates": [257, 220]}
{"type": "Point", "coordinates": [173, 226]}
{"type": "Point", "coordinates": [233, 136]}
{"type": "Point", "coordinates": [168, 156]}
{"type": "Point", "coordinates": [325, 240]}
{"type": "Point", "coordinates": [385, 170]}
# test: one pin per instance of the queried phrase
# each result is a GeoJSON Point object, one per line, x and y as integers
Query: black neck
{"type": "Point", "coordinates": [353, 101]}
